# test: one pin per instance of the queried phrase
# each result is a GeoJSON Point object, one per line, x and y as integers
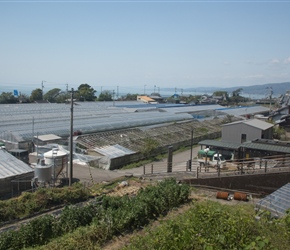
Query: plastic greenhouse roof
{"type": "Point", "coordinates": [278, 202]}
{"type": "Point", "coordinates": [114, 151]}
{"type": "Point", "coordinates": [20, 122]}
{"type": "Point", "coordinates": [11, 166]}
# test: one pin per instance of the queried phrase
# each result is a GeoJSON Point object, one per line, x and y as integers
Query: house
{"type": "Point", "coordinates": [145, 99]}
{"type": "Point", "coordinates": [246, 130]}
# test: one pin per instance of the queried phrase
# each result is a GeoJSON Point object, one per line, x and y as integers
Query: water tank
{"type": "Point", "coordinates": [58, 159]}
{"type": "Point", "coordinates": [42, 172]}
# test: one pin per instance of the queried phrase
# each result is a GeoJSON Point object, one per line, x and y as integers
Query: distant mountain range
{"type": "Point", "coordinates": [264, 89]}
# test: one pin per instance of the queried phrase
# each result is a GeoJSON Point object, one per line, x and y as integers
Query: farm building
{"type": "Point", "coordinates": [246, 130]}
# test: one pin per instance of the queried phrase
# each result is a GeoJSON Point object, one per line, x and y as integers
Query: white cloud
{"type": "Point", "coordinates": [274, 61]}
{"type": "Point", "coordinates": [257, 76]}
{"type": "Point", "coordinates": [287, 60]}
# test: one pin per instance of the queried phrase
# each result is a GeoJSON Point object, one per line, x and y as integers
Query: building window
{"type": "Point", "coordinates": [244, 138]}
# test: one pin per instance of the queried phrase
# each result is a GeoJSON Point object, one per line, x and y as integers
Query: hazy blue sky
{"type": "Point", "coordinates": [135, 43]}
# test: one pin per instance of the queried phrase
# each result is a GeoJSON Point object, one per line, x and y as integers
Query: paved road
{"type": "Point", "coordinates": [89, 175]}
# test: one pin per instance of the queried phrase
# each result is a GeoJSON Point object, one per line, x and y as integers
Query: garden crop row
{"type": "Point", "coordinates": [114, 215]}
{"type": "Point", "coordinates": [41, 200]}
{"type": "Point", "coordinates": [213, 226]}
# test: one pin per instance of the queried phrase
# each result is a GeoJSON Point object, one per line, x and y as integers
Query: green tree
{"type": "Point", "coordinates": [52, 94]}
{"type": "Point", "coordinates": [237, 92]}
{"type": "Point", "coordinates": [36, 95]}
{"type": "Point", "coordinates": [7, 97]}
{"type": "Point", "coordinates": [236, 98]}
{"type": "Point", "coordinates": [62, 97]}
{"type": "Point", "coordinates": [130, 97]}
{"type": "Point", "coordinates": [150, 144]}
{"type": "Point", "coordinates": [105, 96]}
{"type": "Point", "coordinates": [86, 93]}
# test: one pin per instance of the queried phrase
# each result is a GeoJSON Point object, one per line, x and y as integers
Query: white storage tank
{"type": "Point", "coordinates": [57, 159]}
{"type": "Point", "coordinates": [42, 172]}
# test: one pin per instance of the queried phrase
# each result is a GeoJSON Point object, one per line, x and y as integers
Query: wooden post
{"type": "Point", "coordinates": [151, 168]}
{"type": "Point", "coordinates": [144, 169]}
{"type": "Point", "coordinates": [169, 159]}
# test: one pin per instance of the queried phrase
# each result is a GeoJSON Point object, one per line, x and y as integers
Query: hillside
{"type": "Point", "coordinates": [263, 89]}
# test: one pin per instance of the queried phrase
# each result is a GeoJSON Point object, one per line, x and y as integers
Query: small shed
{"type": "Point", "coordinates": [247, 130]}
{"type": "Point", "coordinates": [263, 147]}
{"type": "Point", "coordinates": [114, 156]}
{"type": "Point", "coordinates": [46, 139]}
{"type": "Point", "coordinates": [229, 150]}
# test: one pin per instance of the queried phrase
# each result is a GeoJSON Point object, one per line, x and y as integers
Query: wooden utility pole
{"type": "Point", "coordinates": [71, 138]}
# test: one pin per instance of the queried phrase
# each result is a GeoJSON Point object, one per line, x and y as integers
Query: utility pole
{"type": "Point", "coordinates": [66, 88]}
{"type": "Point", "coordinates": [71, 138]}
{"type": "Point", "coordinates": [191, 144]}
{"type": "Point", "coordinates": [117, 92]}
{"type": "Point", "coordinates": [42, 88]}
{"type": "Point", "coordinates": [113, 98]}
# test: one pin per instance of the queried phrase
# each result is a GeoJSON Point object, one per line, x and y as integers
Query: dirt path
{"type": "Point", "coordinates": [88, 174]}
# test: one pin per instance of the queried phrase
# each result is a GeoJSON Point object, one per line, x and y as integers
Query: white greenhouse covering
{"type": "Point", "coordinates": [11, 166]}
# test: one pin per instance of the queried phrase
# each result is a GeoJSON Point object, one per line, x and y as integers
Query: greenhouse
{"type": "Point", "coordinates": [22, 122]}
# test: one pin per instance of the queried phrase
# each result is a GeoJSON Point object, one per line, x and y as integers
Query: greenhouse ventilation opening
{"type": "Point", "coordinates": [277, 203]}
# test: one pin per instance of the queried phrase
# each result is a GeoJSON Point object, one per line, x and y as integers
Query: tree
{"type": "Point", "coordinates": [105, 96]}
{"type": "Point", "coordinates": [86, 93]}
{"type": "Point", "coordinates": [62, 97]}
{"type": "Point", "coordinates": [36, 95]}
{"type": "Point", "coordinates": [52, 94]}
{"type": "Point", "coordinates": [7, 97]}
{"type": "Point", "coordinates": [237, 92]}
{"type": "Point", "coordinates": [150, 145]}
{"type": "Point", "coordinates": [236, 98]}
{"type": "Point", "coordinates": [130, 97]}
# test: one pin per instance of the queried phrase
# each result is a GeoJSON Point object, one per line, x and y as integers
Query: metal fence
{"type": "Point", "coordinates": [256, 165]}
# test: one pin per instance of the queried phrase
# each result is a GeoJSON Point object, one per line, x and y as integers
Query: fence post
{"type": "Point", "coordinates": [151, 168]}
{"type": "Point", "coordinates": [169, 159]}
{"type": "Point", "coordinates": [144, 169]}
{"type": "Point", "coordinates": [197, 170]}
{"type": "Point", "coordinates": [266, 166]}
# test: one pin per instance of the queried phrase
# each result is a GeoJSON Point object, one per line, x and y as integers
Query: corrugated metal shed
{"type": "Point", "coordinates": [114, 151]}
{"type": "Point", "coordinates": [277, 203]}
{"type": "Point", "coordinates": [11, 166]}
{"type": "Point", "coordinates": [220, 144]}
{"type": "Point", "coordinates": [267, 145]}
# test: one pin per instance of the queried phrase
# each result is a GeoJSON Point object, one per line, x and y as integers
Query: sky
{"type": "Point", "coordinates": [136, 46]}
